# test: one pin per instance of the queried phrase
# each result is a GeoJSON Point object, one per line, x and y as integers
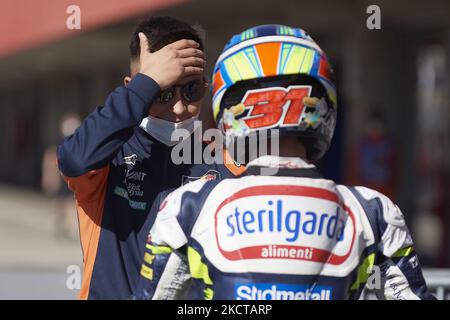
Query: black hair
{"type": "Point", "coordinates": [161, 31]}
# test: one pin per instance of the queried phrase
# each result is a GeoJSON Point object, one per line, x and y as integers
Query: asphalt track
{"type": "Point", "coordinates": [33, 258]}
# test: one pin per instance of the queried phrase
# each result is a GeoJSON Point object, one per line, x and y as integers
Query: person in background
{"type": "Point", "coordinates": [374, 159]}
{"type": "Point", "coordinates": [66, 225]}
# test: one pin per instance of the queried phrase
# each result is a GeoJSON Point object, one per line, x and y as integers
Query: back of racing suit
{"type": "Point", "coordinates": [292, 235]}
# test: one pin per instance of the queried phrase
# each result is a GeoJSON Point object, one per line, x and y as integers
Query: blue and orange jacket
{"type": "Point", "coordinates": [119, 175]}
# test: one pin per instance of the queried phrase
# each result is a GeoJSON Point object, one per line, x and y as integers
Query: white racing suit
{"type": "Point", "coordinates": [292, 235]}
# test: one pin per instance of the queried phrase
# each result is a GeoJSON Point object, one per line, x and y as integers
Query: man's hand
{"type": "Point", "coordinates": [171, 63]}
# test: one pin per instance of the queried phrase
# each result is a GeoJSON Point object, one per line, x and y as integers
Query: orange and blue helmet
{"type": "Point", "coordinates": [275, 76]}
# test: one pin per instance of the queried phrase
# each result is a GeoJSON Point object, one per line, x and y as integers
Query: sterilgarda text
{"type": "Point", "coordinates": [273, 218]}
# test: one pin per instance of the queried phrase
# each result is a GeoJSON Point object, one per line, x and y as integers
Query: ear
{"type": "Point", "coordinates": [126, 80]}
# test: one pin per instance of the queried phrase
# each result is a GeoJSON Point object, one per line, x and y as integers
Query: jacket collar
{"type": "Point", "coordinates": [282, 166]}
{"type": "Point", "coordinates": [270, 161]}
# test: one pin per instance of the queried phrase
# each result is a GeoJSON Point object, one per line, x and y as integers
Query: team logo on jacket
{"type": "Point", "coordinates": [285, 222]}
{"type": "Point", "coordinates": [130, 160]}
{"type": "Point", "coordinates": [209, 175]}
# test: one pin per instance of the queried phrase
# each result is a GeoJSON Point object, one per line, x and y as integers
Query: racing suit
{"type": "Point", "coordinates": [119, 175]}
{"type": "Point", "coordinates": [292, 235]}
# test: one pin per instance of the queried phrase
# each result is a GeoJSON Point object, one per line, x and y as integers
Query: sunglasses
{"type": "Point", "coordinates": [192, 91]}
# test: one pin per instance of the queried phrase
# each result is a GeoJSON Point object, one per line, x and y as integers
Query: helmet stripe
{"type": "Point", "coordinates": [217, 82]}
{"type": "Point", "coordinates": [253, 59]}
{"type": "Point", "coordinates": [307, 62]}
{"type": "Point", "coordinates": [266, 39]}
{"type": "Point", "coordinates": [324, 69]}
{"type": "Point", "coordinates": [232, 71]}
{"type": "Point", "coordinates": [266, 52]}
{"type": "Point", "coordinates": [315, 65]}
{"type": "Point", "coordinates": [285, 52]}
{"type": "Point", "coordinates": [242, 63]}
{"type": "Point", "coordinates": [216, 103]}
{"type": "Point", "coordinates": [295, 60]}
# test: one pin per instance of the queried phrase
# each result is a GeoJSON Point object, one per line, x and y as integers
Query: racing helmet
{"type": "Point", "coordinates": [275, 77]}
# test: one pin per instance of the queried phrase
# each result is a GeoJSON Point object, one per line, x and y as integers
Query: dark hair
{"type": "Point", "coordinates": [161, 31]}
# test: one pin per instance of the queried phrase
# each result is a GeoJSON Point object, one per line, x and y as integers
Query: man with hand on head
{"type": "Point", "coordinates": [118, 162]}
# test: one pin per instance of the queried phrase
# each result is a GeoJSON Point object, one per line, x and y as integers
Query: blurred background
{"type": "Point", "coordinates": [393, 124]}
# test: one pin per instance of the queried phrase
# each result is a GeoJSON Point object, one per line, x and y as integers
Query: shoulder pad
{"type": "Point", "coordinates": [171, 205]}
{"type": "Point", "coordinates": [391, 212]}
